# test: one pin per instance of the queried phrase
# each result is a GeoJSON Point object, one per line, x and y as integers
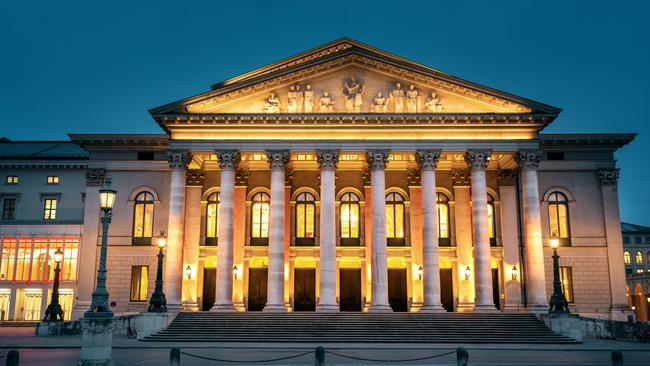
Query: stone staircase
{"type": "Point", "coordinates": [358, 328]}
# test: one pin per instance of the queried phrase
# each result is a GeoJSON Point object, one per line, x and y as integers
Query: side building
{"type": "Point", "coordinates": [636, 244]}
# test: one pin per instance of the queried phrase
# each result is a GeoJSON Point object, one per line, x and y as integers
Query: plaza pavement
{"type": "Point", "coordinates": [64, 350]}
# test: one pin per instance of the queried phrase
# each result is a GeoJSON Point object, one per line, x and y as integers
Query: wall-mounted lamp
{"type": "Point", "coordinates": [188, 272]}
{"type": "Point", "coordinates": [513, 272]}
{"type": "Point", "coordinates": [468, 273]}
{"type": "Point", "coordinates": [420, 273]}
{"type": "Point", "coordinates": [234, 271]}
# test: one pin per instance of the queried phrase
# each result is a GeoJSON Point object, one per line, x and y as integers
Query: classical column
{"type": "Point", "coordinates": [178, 161]}
{"type": "Point", "coordinates": [88, 245]}
{"type": "Point", "coordinates": [194, 182]}
{"type": "Point", "coordinates": [275, 298]}
{"type": "Point", "coordinates": [528, 161]}
{"type": "Point", "coordinates": [461, 179]}
{"type": "Point", "coordinates": [510, 237]}
{"type": "Point", "coordinates": [377, 160]}
{"type": "Point", "coordinates": [327, 160]}
{"type": "Point", "coordinates": [228, 160]}
{"type": "Point", "coordinates": [239, 237]}
{"type": "Point", "coordinates": [428, 160]}
{"type": "Point", "coordinates": [478, 161]}
{"type": "Point", "coordinates": [609, 191]}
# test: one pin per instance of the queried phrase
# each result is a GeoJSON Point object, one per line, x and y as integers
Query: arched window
{"type": "Point", "coordinates": [143, 218]}
{"type": "Point", "coordinates": [648, 259]}
{"type": "Point", "coordinates": [626, 258]}
{"type": "Point", "coordinates": [558, 215]}
{"type": "Point", "coordinates": [492, 224]}
{"type": "Point", "coordinates": [395, 219]}
{"type": "Point", "coordinates": [442, 203]}
{"type": "Point", "coordinates": [349, 220]}
{"type": "Point", "coordinates": [260, 208]}
{"type": "Point", "coordinates": [212, 219]}
{"type": "Point", "coordinates": [305, 219]}
{"type": "Point", "coordinates": [639, 258]}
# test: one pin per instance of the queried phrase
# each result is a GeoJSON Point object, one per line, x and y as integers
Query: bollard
{"type": "Point", "coordinates": [617, 358]}
{"type": "Point", "coordinates": [462, 357]}
{"type": "Point", "coordinates": [320, 356]}
{"type": "Point", "coordinates": [12, 358]}
{"type": "Point", "coordinates": [175, 357]}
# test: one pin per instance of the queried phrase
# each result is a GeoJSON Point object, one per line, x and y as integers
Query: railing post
{"type": "Point", "coordinates": [12, 358]}
{"type": "Point", "coordinates": [175, 357]}
{"type": "Point", "coordinates": [320, 356]}
{"type": "Point", "coordinates": [462, 357]}
{"type": "Point", "coordinates": [617, 358]}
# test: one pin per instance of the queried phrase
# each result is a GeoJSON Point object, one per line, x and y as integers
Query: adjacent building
{"type": "Point", "coordinates": [636, 255]}
{"type": "Point", "coordinates": [343, 178]}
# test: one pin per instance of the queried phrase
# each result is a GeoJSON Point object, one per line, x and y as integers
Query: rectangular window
{"type": "Point", "coordinates": [139, 283]}
{"type": "Point", "coordinates": [349, 157]}
{"type": "Point", "coordinates": [566, 279]}
{"type": "Point", "coordinates": [23, 259]}
{"type": "Point", "coordinates": [637, 240]}
{"type": "Point", "coordinates": [626, 240]}
{"type": "Point", "coordinates": [49, 209]}
{"type": "Point", "coordinates": [12, 179]}
{"type": "Point", "coordinates": [39, 260]}
{"type": "Point", "coordinates": [8, 259]}
{"type": "Point", "coordinates": [304, 157]}
{"type": "Point", "coordinates": [69, 264]}
{"type": "Point", "coordinates": [52, 179]}
{"type": "Point", "coordinates": [9, 209]}
{"type": "Point", "coordinates": [349, 220]}
{"type": "Point", "coordinates": [647, 239]}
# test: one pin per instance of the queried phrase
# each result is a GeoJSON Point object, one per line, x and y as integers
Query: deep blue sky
{"type": "Point", "coordinates": [97, 67]}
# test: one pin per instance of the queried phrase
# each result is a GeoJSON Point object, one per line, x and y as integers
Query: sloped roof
{"type": "Point", "coordinates": [41, 150]}
{"type": "Point", "coordinates": [634, 228]}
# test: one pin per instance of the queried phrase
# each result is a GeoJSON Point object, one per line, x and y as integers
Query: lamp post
{"type": "Point", "coordinates": [99, 307]}
{"type": "Point", "coordinates": [558, 302]}
{"type": "Point", "coordinates": [54, 311]}
{"type": "Point", "coordinates": [158, 302]}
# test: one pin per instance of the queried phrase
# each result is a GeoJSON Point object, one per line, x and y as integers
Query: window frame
{"type": "Point", "coordinates": [212, 240]}
{"type": "Point", "coordinates": [306, 201]}
{"type": "Point", "coordinates": [143, 240]}
{"type": "Point", "coordinates": [350, 200]}
{"type": "Point", "coordinates": [12, 179]}
{"type": "Point", "coordinates": [142, 297]}
{"type": "Point", "coordinates": [265, 201]}
{"type": "Point", "coordinates": [492, 222]}
{"type": "Point", "coordinates": [566, 273]}
{"type": "Point", "coordinates": [443, 241]}
{"type": "Point", "coordinates": [52, 179]}
{"type": "Point", "coordinates": [555, 200]}
{"type": "Point", "coordinates": [393, 203]}
{"type": "Point", "coordinates": [6, 210]}
{"type": "Point", "coordinates": [49, 209]}
{"type": "Point", "coordinates": [638, 258]}
{"type": "Point", "coordinates": [627, 258]}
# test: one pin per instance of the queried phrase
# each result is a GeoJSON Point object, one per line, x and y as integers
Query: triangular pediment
{"type": "Point", "coordinates": [346, 76]}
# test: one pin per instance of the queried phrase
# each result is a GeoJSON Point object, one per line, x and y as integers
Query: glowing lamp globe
{"type": "Point", "coordinates": [107, 196]}
{"type": "Point", "coordinates": [58, 256]}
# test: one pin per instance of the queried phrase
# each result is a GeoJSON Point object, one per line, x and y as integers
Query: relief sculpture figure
{"type": "Point", "coordinates": [293, 96]}
{"type": "Point", "coordinates": [326, 103]}
{"type": "Point", "coordinates": [379, 104]}
{"type": "Point", "coordinates": [397, 98]}
{"type": "Point", "coordinates": [353, 90]}
{"type": "Point", "coordinates": [272, 104]}
{"type": "Point", "coordinates": [308, 97]}
{"type": "Point", "coordinates": [412, 99]}
{"type": "Point", "coordinates": [433, 105]}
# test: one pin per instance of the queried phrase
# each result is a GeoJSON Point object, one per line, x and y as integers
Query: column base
{"type": "Point", "coordinates": [380, 308]}
{"type": "Point", "coordinates": [191, 306]}
{"type": "Point", "coordinates": [486, 309]}
{"type": "Point", "coordinates": [327, 308]}
{"type": "Point", "coordinates": [433, 309]}
{"type": "Point", "coordinates": [513, 308]}
{"type": "Point", "coordinates": [275, 308]}
{"type": "Point", "coordinates": [466, 307]}
{"type": "Point", "coordinates": [537, 308]}
{"type": "Point", "coordinates": [239, 306]}
{"type": "Point", "coordinates": [223, 308]}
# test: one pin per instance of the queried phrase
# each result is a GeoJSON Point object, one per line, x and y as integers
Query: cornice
{"type": "Point", "coordinates": [610, 141]}
{"type": "Point", "coordinates": [26, 164]}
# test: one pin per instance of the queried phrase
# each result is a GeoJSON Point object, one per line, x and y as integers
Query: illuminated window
{"type": "Point", "coordinates": [304, 157]}
{"type": "Point", "coordinates": [558, 213]}
{"type": "Point", "coordinates": [638, 258]}
{"type": "Point", "coordinates": [143, 218]}
{"type": "Point", "coordinates": [626, 258]}
{"type": "Point", "coordinates": [400, 157]}
{"type": "Point", "coordinates": [39, 260]}
{"type": "Point", "coordinates": [49, 209]}
{"type": "Point", "coordinates": [260, 209]}
{"type": "Point", "coordinates": [69, 264]}
{"type": "Point", "coordinates": [349, 219]}
{"type": "Point", "coordinates": [23, 259]}
{"type": "Point", "coordinates": [254, 157]}
{"type": "Point", "coordinates": [349, 157]}
{"type": "Point", "coordinates": [395, 219]}
{"type": "Point", "coordinates": [648, 258]}
{"type": "Point", "coordinates": [9, 209]}
{"type": "Point", "coordinates": [8, 260]}
{"type": "Point", "coordinates": [305, 219]}
{"type": "Point", "coordinates": [52, 179]}
{"type": "Point", "coordinates": [139, 283]}
{"type": "Point", "coordinates": [212, 219]}
{"type": "Point", "coordinates": [442, 203]}
{"type": "Point", "coordinates": [12, 179]}
{"type": "Point", "coordinates": [639, 270]}
{"type": "Point", "coordinates": [566, 279]}
{"type": "Point", "coordinates": [492, 226]}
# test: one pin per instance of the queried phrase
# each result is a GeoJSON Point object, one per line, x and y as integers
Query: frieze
{"type": "Point", "coordinates": [179, 159]}
{"type": "Point", "coordinates": [228, 159]}
{"type": "Point", "coordinates": [506, 177]}
{"type": "Point", "coordinates": [277, 159]}
{"type": "Point", "coordinates": [327, 159]}
{"type": "Point", "coordinates": [94, 177]}
{"type": "Point", "coordinates": [377, 159]}
{"type": "Point", "coordinates": [428, 159]}
{"type": "Point", "coordinates": [461, 177]}
{"type": "Point", "coordinates": [478, 159]}
{"type": "Point", "coordinates": [194, 177]}
{"type": "Point", "coordinates": [608, 177]}
{"type": "Point", "coordinates": [528, 159]}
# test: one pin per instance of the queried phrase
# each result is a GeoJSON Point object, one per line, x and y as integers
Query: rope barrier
{"type": "Point", "coordinates": [403, 360]}
{"type": "Point", "coordinates": [246, 361]}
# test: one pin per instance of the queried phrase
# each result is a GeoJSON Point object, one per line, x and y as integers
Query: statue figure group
{"type": "Point", "coordinates": [353, 90]}
{"type": "Point", "coordinates": [272, 104]}
{"type": "Point", "coordinates": [299, 101]}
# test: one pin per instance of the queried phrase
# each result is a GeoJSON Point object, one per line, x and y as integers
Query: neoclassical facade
{"type": "Point", "coordinates": [349, 179]}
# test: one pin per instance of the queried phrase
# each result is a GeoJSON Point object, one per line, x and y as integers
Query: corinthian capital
{"type": "Point", "coordinates": [377, 159]}
{"type": "Point", "coordinates": [228, 159]}
{"type": "Point", "coordinates": [94, 177]}
{"type": "Point", "coordinates": [327, 159]}
{"type": "Point", "coordinates": [428, 159]}
{"type": "Point", "coordinates": [608, 177]}
{"type": "Point", "coordinates": [528, 159]}
{"type": "Point", "coordinates": [277, 159]}
{"type": "Point", "coordinates": [478, 159]}
{"type": "Point", "coordinates": [179, 158]}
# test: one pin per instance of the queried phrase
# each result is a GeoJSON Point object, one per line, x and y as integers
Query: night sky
{"type": "Point", "coordinates": [91, 67]}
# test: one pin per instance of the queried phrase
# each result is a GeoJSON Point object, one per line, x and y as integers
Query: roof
{"type": "Point", "coordinates": [41, 150]}
{"type": "Point", "coordinates": [634, 228]}
{"type": "Point", "coordinates": [607, 141]}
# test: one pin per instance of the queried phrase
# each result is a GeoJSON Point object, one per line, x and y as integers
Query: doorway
{"type": "Point", "coordinates": [447, 289]}
{"type": "Point", "coordinates": [397, 294]}
{"type": "Point", "coordinates": [495, 288]}
{"type": "Point", "coordinates": [209, 288]}
{"type": "Point", "coordinates": [304, 289]}
{"type": "Point", "coordinates": [257, 282]}
{"type": "Point", "coordinates": [350, 289]}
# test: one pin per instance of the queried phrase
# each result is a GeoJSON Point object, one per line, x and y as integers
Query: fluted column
{"type": "Point", "coordinates": [275, 291]}
{"type": "Point", "coordinates": [478, 161]}
{"type": "Point", "coordinates": [228, 160]}
{"type": "Point", "coordinates": [428, 160]}
{"type": "Point", "coordinates": [377, 160]}
{"type": "Point", "coordinates": [528, 161]}
{"type": "Point", "coordinates": [327, 160]}
{"type": "Point", "coordinates": [178, 161]}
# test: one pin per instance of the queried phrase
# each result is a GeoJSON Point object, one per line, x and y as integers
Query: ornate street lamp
{"type": "Point", "coordinates": [558, 303]}
{"type": "Point", "coordinates": [54, 311]}
{"type": "Point", "coordinates": [99, 307]}
{"type": "Point", "coordinates": [513, 272]}
{"type": "Point", "coordinates": [158, 302]}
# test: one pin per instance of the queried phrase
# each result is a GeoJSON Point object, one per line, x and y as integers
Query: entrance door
{"type": "Point", "coordinates": [209, 288]}
{"type": "Point", "coordinates": [350, 289]}
{"type": "Point", "coordinates": [495, 288]}
{"type": "Point", "coordinates": [446, 289]}
{"type": "Point", "coordinates": [304, 289]}
{"type": "Point", "coordinates": [397, 295]}
{"type": "Point", "coordinates": [257, 281]}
